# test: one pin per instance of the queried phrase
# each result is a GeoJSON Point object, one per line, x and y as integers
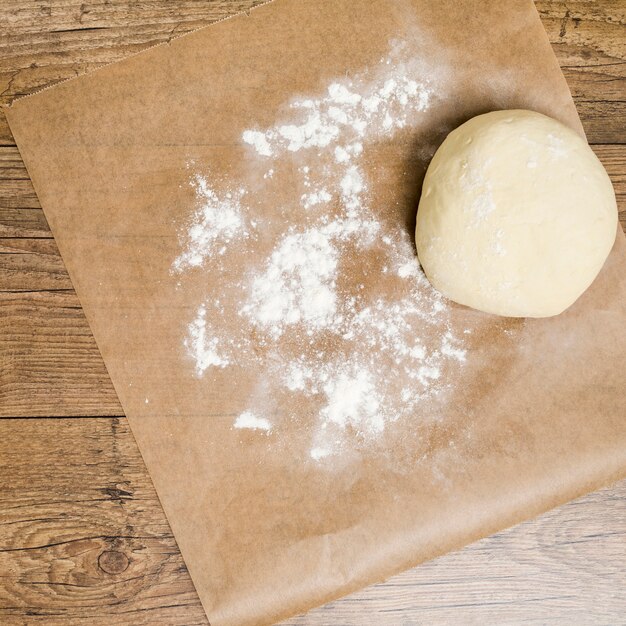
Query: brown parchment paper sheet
{"type": "Point", "coordinates": [538, 416]}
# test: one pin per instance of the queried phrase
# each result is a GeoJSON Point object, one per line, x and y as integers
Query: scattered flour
{"type": "Point", "coordinates": [352, 399]}
{"type": "Point", "coordinates": [319, 453]}
{"type": "Point", "coordinates": [381, 109]}
{"type": "Point", "coordinates": [259, 141]}
{"type": "Point", "coordinates": [217, 221]}
{"type": "Point", "coordinates": [249, 420]}
{"type": "Point", "coordinates": [310, 329]}
{"type": "Point", "coordinates": [313, 199]}
{"type": "Point", "coordinates": [297, 284]}
{"type": "Point", "coordinates": [203, 345]}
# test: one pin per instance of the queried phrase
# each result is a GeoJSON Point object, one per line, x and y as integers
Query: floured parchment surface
{"type": "Point", "coordinates": [235, 210]}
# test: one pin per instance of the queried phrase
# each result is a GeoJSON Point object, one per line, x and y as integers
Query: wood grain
{"type": "Point", "coordinates": [49, 361]}
{"type": "Point", "coordinates": [83, 539]}
{"type": "Point", "coordinates": [589, 40]}
{"type": "Point", "coordinates": [49, 42]}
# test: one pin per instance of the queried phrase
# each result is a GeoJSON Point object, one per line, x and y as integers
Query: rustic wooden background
{"type": "Point", "coordinates": [83, 539]}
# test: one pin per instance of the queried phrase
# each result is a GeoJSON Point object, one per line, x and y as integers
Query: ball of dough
{"type": "Point", "coordinates": [517, 215]}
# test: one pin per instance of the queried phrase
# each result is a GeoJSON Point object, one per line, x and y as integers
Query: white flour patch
{"type": "Point", "coordinates": [360, 353]}
{"type": "Point", "coordinates": [319, 453]}
{"type": "Point", "coordinates": [352, 398]}
{"type": "Point", "coordinates": [259, 141]}
{"type": "Point", "coordinates": [217, 221]}
{"type": "Point", "coordinates": [250, 421]}
{"type": "Point", "coordinates": [313, 199]}
{"type": "Point", "coordinates": [202, 344]}
{"type": "Point", "coordinates": [297, 284]}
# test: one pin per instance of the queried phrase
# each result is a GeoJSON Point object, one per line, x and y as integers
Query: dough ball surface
{"type": "Point", "coordinates": [517, 215]}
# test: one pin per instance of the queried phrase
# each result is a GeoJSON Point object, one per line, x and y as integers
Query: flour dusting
{"type": "Point", "coordinates": [297, 284]}
{"type": "Point", "coordinates": [203, 345]}
{"type": "Point", "coordinates": [351, 355]}
{"type": "Point", "coordinates": [250, 421]}
{"type": "Point", "coordinates": [217, 221]}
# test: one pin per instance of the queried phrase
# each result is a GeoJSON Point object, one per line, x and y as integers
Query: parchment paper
{"type": "Point", "coordinates": [535, 418]}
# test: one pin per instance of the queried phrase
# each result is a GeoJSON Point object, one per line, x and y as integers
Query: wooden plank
{"type": "Point", "coordinates": [18, 194]}
{"type": "Point", "coordinates": [11, 164]}
{"type": "Point", "coordinates": [588, 39]}
{"type": "Point", "coordinates": [47, 44]}
{"type": "Point", "coordinates": [24, 245]}
{"type": "Point", "coordinates": [83, 537]}
{"type": "Point", "coordinates": [585, 33]}
{"type": "Point", "coordinates": [596, 116]}
{"type": "Point", "coordinates": [49, 361]}
{"type": "Point", "coordinates": [83, 540]}
{"type": "Point", "coordinates": [26, 224]}
{"type": "Point", "coordinates": [30, 271]}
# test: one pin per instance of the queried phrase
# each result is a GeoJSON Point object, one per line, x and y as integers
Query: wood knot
{"type": "Point", "coordinates": [113, 562]}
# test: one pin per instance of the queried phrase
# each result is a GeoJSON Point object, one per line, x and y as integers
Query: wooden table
{"type": "Point", "coordinates": [83, 538]}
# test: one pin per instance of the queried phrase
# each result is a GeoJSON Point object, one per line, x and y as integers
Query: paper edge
{"type": "Point", "coordinates": [542, 509]}
{"type": "Point", "coordinates": [581, 128]}
{"type": "Point", "coordinates": [170, 40]}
